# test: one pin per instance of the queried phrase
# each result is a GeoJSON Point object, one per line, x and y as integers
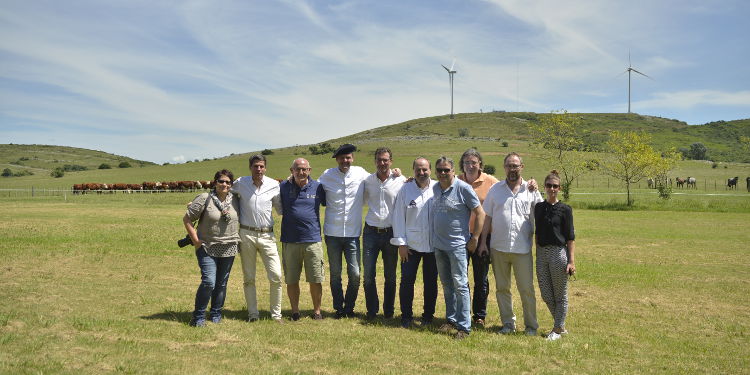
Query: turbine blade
{"type": "Point", "coordinates": [446, 69]}
{"type": "Point", "coordinates": [454, 63]}
{"type": "Point", "coordinates": [620, 75]}
{"type": "Point", "coordinates": [641, 74]}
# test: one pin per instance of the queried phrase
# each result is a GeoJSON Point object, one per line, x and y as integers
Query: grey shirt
{"type": "Point", "coordinates": [212, 228]}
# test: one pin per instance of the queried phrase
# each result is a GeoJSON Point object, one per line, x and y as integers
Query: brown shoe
{"type": "Point", "coordinates": [479, 322]}
{"type": "Point", "coordinates": [317, 316]}
{"type": "Point", "coordinates": [460, 335]}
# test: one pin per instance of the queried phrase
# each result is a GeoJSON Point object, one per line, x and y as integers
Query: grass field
{"type": "Point", "coordinates": [96, 284]}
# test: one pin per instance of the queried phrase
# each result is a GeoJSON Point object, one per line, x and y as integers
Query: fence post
{"type": "Point", "coordinates": [32, 191]}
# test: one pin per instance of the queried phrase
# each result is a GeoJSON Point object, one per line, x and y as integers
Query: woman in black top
{"type": "Point", "coordinates": [555, 248]}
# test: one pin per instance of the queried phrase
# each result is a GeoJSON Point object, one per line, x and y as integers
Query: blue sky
{"type": "Point", "coordinates": [180, 80]}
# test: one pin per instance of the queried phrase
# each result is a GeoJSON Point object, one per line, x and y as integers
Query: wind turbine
{"type": "Point", "coordinates": [629, 70]}
{"type": "Point", "coordinates": [451, 72]}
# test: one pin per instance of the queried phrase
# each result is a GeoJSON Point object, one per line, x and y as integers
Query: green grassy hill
{"type": "Point", "coordinates": [43, 158]}
{"type": "Point", "coordinates": [429, 137]}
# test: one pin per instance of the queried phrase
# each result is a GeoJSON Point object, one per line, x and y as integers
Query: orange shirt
{"type": "Point", "coordinates": [481, 186]}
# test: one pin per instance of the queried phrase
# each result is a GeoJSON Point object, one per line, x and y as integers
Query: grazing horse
{"type": "Point", "coordinates": [680, 182]}
{"type": "Point", "coordinates": [691, 182]}
{"type": "Point", "coordinates": [651, 184]}
{"type": "Point", "coordinates": [732, 183]}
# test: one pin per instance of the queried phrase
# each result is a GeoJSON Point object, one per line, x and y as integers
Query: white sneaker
{"type": "Point", "coordinates": [507, 329]}
{"type": "Point", "coordinates": [553, 336]}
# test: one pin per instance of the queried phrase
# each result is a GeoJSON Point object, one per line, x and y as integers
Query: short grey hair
{"type": "Point", "coordinates": [444, 159]}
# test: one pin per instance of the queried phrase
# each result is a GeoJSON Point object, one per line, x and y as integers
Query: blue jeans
{"type": "Point", "coordinates": [453, 269]}
{"type": "Point", "coordinates": [481, 267]}
{"type": "Point", "coordinates": [349, 248]}
{"type": "Point", "coordinates": [409, 277]}
{"type": "Point", "coordinates": [374, 243]}
{"type": "Point", "coordinates": [214, 278]}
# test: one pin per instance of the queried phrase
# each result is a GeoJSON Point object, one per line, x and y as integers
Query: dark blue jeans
{"type": "Point", "coordinates": [214, 278]}
{"type": "Point", "coordinates": [374, 243]}
{"type": "Point", "coordinates": [481, 267]}
{"type": "Point", "coordinates": [409, 277]}
{"type": "Point", "coordinates": [348, 247]}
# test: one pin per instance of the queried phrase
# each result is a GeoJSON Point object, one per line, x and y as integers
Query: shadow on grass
{"type": "Point", "coordinates": [185, 316]}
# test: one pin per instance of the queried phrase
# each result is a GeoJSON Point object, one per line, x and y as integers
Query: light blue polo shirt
{"type": "Point", "coordinates": [450, 213]}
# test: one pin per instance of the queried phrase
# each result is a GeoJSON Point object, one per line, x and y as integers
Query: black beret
{"type": "Point", "coordinates": [345, 149]}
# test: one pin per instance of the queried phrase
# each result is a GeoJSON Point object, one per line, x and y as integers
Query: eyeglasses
{"type": "Point", "coordinates": [225, 182]}
{"type": "Point", "coordinates": [302, 169]}
{"type": "Point", "coordinates": [552, 186]}
{"type": "Point", "coordinates": [513, 166]}
{"type": "Point", "coordinates": [443, 170]}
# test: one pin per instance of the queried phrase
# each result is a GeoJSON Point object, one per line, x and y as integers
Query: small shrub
{"type": "Point", "coordinates": [505, 144]}
{"type": "Point", "coordinates": [23, 172]}
{"type": "Point", "coordinates": [74, 167]}
{"type": "Point", "coordinates": [125, 164]}
{"type": "Point", "coordinates": [57, 172]}
{"type": "Point", "coordinates": [7, 172]}
{"type": "Point", "coordinates": [489, 169]}
{"type": "Point", "coordinates": [463, 132]}
{"type": "Point", "coordinates": [714, 165]}
{"type": "Point", "coordinates": [105, 166]}
{"type": "Point", "coordinates": [166, 163]}
{"type": "Point", "coordinates": [267, 152]}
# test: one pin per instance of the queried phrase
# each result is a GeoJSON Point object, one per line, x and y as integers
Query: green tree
{"type": "Point", "coordinates": [125, 164]}
{"type": "Point", "coordinates": [631, 159]}
{"type": "Point", "coordinates": [267, 152]}
{"type": "Point", "coordinates": [668, 161]}
{"type": "Point", "coordinates": [58, 172]}
{"type": "Point", "coordinates": [556, 133]}
{"type": "Point", "coordinates": [698, 151]}
{"type": "Point", "coordinates": [105, 166]}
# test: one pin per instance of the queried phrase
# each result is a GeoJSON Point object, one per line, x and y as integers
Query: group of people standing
{"type": "Point", "coordinates": [444, 225]}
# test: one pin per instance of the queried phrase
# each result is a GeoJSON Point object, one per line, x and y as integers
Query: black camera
{"type": "Point", "coordinates": [185, 241]}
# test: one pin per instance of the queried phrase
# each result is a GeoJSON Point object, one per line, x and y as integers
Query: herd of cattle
{"type": "Point", "coordinates": [177, 186]}
{"type": "Point", "coordinates": [690, 183]}
{"type": "Point", "coordinates": [190, 186]}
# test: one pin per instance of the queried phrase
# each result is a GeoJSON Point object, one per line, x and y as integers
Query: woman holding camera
{"type": "Point", "coordinates": [555, 252]}
{"type": "Point", "coordinates": [215, 240]}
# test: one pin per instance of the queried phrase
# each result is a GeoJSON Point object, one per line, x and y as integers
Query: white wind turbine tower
{"type": "Point", "coordinates": [451, 72]}
{"type": "Point", "coordinates": [629, 70]}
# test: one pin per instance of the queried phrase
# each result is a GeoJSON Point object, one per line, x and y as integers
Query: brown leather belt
{"type": "Point", "coordinates": [262, 230]}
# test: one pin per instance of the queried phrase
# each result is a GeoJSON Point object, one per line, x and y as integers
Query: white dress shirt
{"type": "Point", "coordinates": [512, 217]}
{"type": "Point", "coordinates": [380, 196]}
{"type": "Point", "coordinates": [256, 202]}
{"type": "Point", "coordinates": [411, 217]}
{"type": "Point", "coordinates": [344, 201]}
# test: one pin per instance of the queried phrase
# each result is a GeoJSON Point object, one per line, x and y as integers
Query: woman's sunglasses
{"type": "Point", "coordinates": [552, 186]}
{"type": "Point", "coordinates": [225, 182]}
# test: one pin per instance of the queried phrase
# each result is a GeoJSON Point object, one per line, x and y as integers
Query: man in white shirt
{"type": "Point", "coordinates": [258, 194]}
{"type": "Point", "coordinates": [344, 190]}
{"type": "Point", "coordinates": [381, 188]}
{"type": "Point", "coordinates": [411, 233]}
{"type": "Point", "coordinates": [509, 206]}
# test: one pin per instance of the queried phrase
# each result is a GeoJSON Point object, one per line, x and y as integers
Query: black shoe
{"type": "Point", "coordinates": [351, 314]}
{"type": "Point", "coordinates": [426, 321]}
{"type": "Point", "coordinates": [198, 323]}
{"type": "Point", "coordinates": [371, 316]}
{"type": "Point", "coordinates": [339, 315]}
{"type": "Point", "coordinates": [406, 323]}
{"type": "Point", "coordinates": [295, 316]}
{"type": "Point", "coordinates": [388, 316]}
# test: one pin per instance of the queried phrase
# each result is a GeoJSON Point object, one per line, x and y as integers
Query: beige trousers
{"type": "Point", "coordinates": [523, 268]}
{"type": "Point", "coordinates": [253, 243]}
